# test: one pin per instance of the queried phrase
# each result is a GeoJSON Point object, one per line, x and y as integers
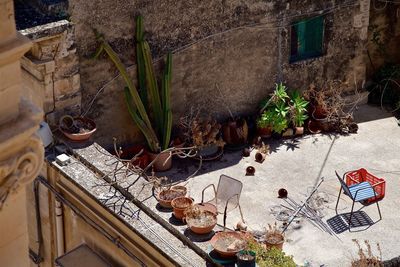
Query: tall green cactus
{"type": "Point", "coordinates": [138, 108]}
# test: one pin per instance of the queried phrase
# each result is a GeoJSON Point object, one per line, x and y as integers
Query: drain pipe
{"type": "Point", "coordinates": [59, 228]}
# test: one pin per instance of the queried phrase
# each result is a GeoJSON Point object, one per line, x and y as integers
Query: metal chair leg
{"type": "Point", "coordinates": [379, 210]}
{"type": "Point", "coordinates": [337, 202]}
{"type": "Point", "coordinates": [351, 215]}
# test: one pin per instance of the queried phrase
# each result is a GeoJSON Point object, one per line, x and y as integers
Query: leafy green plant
{"type": "Point", "coordinates": [275, 110]}
{"type": "Point", "coordinates": [266, 119]}
{"type": "Point", "coordinates": [298, 109]}
{"type": "Point", "coordinates": [272, 257]}
{"type": "Point", "coordinates": [157, 134]}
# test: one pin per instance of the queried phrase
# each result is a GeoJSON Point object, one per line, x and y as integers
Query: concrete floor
{"type": "Point", "coordinates": [296, 166]}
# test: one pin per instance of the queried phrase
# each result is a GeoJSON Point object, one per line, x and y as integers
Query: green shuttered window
{"type": "Point", "coordinates": [307, 39]}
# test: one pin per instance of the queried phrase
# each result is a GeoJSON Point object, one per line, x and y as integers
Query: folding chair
{"type": "Point", "coordinates": [226, 197]}
{"type": "Point", "coordinates": [360, 192]}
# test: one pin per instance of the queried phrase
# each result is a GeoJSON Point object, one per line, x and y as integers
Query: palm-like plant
{"type": "Point", "coordinates": [298, 109]}
{"type": "Point", "coordinates": [158, 133]}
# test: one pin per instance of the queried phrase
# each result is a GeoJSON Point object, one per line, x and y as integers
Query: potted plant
{"type": "Point", "coordinates": [235, 132]}
{"type": "Point", "coordinates": [205, 135]}
{"type": "Point", "coordinates": [272, 257]}
{"type": "Point", "coordinates": [275, 110]}
{"type": "Point", "coordinates": [274, 238]}
{"type": "Point", "coordinates": [246, 258]}
{"type": "Point", "coordinates": [264, 124]}
{"type": "Point", "coordinates": [77, 129]}
{"type": "Point", "coordinates": [154, 119]}
{"type": "Point", "coordinates": [298, 112]}
{"type": "Point", "coordinates": [180, 204]}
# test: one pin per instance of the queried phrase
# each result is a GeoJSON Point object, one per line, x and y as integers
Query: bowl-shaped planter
{"type": "Point", "coordinates": [165, 197]}
{"type": "Point", "coordinates": [227, 244]}
{"type": "Point", "coordinates": [77, 129]}
{"type": "Point", "coordinates": [203, 223]}
{"type": "Point", "coordinates": [179, 205]}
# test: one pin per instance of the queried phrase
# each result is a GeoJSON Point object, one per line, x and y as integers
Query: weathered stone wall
{"type": "Point", "coordinates": [51, 70]}
{"type": "Point", "coordinates": [242, 48]}
{"type": "Point", "coordinates": [385, 27]}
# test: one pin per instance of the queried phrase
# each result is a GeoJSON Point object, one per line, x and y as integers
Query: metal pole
{"type": "Point", "coordinates": [302, 206]}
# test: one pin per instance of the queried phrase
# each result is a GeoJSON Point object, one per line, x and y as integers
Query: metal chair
{"type": "Point", "coordinates": [358, 193]}
{"type": "Point", "coordinates": [226, 196]}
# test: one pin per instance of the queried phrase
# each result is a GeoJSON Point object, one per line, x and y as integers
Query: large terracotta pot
{"type": "Point", "coordinates": [163, 161]}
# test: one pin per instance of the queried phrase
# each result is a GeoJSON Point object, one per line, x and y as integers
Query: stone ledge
{"type": "Point", "coordinates": [93, 184]}
{"type": "Point", "coordinates": [46, 30]}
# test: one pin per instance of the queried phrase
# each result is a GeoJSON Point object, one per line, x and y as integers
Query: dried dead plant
{"type": "Point", "coordinates": [366, 256]}
{"type": "Point", "coordinates": [201, 131]}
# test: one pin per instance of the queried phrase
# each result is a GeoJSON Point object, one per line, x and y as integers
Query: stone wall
{"type": "Point", "coordinates": [51, 70]}
{"type": "Point", "coordinates": [385, 27]}
{"type": "Point", "coordinates": [242, 48]}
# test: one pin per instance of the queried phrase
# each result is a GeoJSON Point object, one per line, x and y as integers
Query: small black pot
{"type": "Point", "coordinates": [246, 262]}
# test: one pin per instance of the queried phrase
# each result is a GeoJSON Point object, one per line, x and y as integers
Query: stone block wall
{"type": "Point", "coordinates": [51, 70]}
{"type": "Point", "coordinates": [242, 48]}
{"type": "Point", "coordinates": [384, 23]}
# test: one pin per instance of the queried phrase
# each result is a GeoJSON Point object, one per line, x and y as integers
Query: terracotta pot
{"type": "Point", "coordinates": [195, 227]}
{"type": "Point", "coordinates": [299, 131]}
{"type": "Point", "coordinates": [179, 205]}
{"type": "Point", "coordinates": [313, 127]}
{"type": "Point", "coordinates": [320, 115]}
{"type": "Point", "coordinates": [221, 247]}
{"type": "Point", "coordinates": [235, 132]}
{"type": "Point", "coordinates": [207, 207]}
{"type": "Point", "coordinates": [264, 132]}
{"type": "Point", "coordinates": [288, 132]}
{"type": "Point", "coordinates": [129, 152]}
{"type": "Point", "coordinates": [163, 162]}
{"type": "Point", "coordinates": [80, 136]}
{"type": "Point", "coordinates": [277, 245]}
{"type": "Point", "coordinates": [165, 197]}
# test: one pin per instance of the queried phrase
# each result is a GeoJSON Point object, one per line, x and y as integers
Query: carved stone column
{"type": "Point", "coordinates": [21, 151]}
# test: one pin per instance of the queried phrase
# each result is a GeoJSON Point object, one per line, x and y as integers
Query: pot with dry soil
{"type": "Point", "coordinates": [200, 221]}
{"type": "Point", "coordinates": [179, 205]}
{"type": "Point", "coordinates": [274, 239]}
{"type": "Point", "coordinates": [77, 129]}
{"type": "Point", "coordinates": [165, 197]}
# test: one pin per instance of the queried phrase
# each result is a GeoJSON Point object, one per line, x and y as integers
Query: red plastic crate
{"type": "Point", "coordinates": [362, 175]}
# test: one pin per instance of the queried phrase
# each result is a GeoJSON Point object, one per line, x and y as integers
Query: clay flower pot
{"type": "Point", "coordinates": [77, 129]}
{"type": "Point", "coordinates": [165, 197]}
{"type": "Point", "coordinates": [265, 132]}
{"type": "Point", "coordinates": [275, 240]}
{"type": "Point", "coordinates": [163, 161]}
{"type": "Point", "coordinates": [314, 127]}
{"type": "Point", "coordinates": [179, 205]}
{"type": "Point", "coordinates": [203, 224]}
{"type": "Point", "coordinates": [299, 131]}
{"type": "Point", "coordinates": [288, 132]}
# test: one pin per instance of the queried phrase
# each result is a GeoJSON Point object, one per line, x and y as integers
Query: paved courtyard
{"type": "Point", "coordinates": [296, 165]}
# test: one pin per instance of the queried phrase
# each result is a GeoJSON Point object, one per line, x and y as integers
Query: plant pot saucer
{"type": "Point", "coordinates": [216, 156]}
{"type": "Point", "coordinates": [234, 148]}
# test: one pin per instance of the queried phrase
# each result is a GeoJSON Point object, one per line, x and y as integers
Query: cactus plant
{"type": "Point", "coordinates": [157, 134]}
